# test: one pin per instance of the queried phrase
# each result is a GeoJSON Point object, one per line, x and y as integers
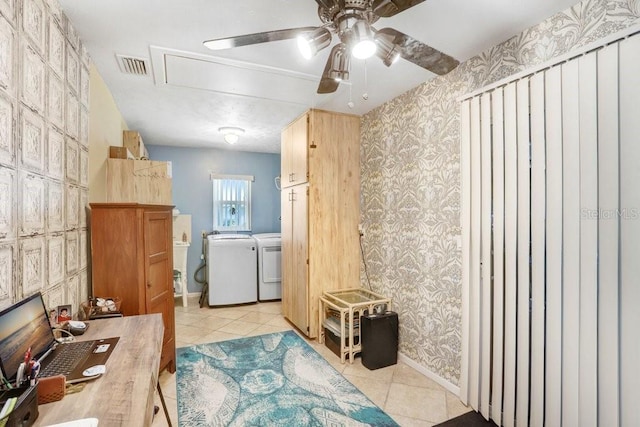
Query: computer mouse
{"type": "Point", "coordinates": [94, 370]}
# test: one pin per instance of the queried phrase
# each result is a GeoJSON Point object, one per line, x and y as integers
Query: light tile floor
{"type": "Point", "coordinates": [409, 397]}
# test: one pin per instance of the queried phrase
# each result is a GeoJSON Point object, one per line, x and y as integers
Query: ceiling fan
{"type": "Point", "coordinates": [351, 21]}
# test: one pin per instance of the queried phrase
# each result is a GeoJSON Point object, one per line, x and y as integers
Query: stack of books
{"type": "Point", "coordinates": [332, 322]}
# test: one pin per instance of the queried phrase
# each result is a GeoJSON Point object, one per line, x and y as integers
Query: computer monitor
{"type": "Point", "coordinates": [23, 325]}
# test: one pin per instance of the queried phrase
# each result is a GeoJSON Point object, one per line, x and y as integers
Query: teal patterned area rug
{"type": "Point", "coordinates": [268, 380]}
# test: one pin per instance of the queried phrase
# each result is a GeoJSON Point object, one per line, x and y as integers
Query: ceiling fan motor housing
{"type": "Point", "coordinates": [330, 9]}
{"type": "Point", "coordinates": [344, 20]}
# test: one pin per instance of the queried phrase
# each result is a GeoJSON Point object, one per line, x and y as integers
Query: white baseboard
{"type": "Point", "coordinates": [189, 295]}
{"type": "Point", "coordinates": [431, 375]}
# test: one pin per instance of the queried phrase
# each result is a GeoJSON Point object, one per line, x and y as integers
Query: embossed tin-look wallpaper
{"type": "Point", "coordinates": [410, 191]}
{"type": "Point", "coordinates": [44, 137]}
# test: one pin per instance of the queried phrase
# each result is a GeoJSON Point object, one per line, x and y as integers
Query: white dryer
{"type": "Point", "coordinates": [269, 266]}
{"type": "Point", "coordinates": [231, 269]}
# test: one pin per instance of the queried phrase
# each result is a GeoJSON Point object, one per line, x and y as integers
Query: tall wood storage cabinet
{"type": "Point", "coordinates": [132, 258]}
{"type": "Point", "coordinates": [320, 212]}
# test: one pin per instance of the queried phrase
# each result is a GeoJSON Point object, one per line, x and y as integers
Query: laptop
{"type": "Point", "coordinates": [26, 325]}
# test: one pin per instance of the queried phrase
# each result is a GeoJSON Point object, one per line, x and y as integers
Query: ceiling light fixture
{"type": "Point", "coordinates": [313, 42]}
{"type": "Point", "coordinates": [231, 134]}
{"type": "Point", "coordinates": [387, 50]}
{"type": "Point", "coordinates": [362, 42]}
{"type": "Point", "coordinates": [339, 63]}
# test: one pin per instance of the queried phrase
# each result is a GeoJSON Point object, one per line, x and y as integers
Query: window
{"type": "Point", "coordinates": [231, 202]}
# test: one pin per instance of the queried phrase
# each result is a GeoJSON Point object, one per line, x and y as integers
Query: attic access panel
{"type": "Point", "coordinates": [238, 78]}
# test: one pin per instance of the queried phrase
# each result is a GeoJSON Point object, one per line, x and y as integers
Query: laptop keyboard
{"type": "Point", "coordinates": [66, 361]}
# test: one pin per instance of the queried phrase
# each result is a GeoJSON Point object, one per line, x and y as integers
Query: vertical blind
{"type": "Point", "coordinates": [231, 203]}
{"type": "Point", "coordinates": [551, 238]}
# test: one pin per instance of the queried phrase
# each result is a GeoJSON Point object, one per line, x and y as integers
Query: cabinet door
{"type": "Point", "coordinates": [294, 152]}
{"type": "Point", "coordinates": [158, 245]}
{"type": "Point", "coordinates": [286, 225]}
{"type": "Point", "coordinates": [299, 153]}
{"type": "Point", "coordinates": [299, 290]}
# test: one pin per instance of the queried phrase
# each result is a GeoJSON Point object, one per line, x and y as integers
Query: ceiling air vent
{"type": "Point", "coordinates": [131, 65]}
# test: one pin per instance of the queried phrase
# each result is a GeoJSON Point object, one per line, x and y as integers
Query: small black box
{"type": "Point", "coordinates": [379, 333]}
{"type": "Point", "coordinates": [332, 341]}
{"type": "Point", "coordinates": [25, 412]}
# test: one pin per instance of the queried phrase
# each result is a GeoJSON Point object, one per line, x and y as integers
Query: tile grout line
{"type": "Point", "coordinates": [268, 314]}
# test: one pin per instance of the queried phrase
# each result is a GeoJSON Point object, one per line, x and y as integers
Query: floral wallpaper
{"type": "Point", "coordinates": [44, 146]}
{"type": "Point", "coordinates": [410, 186]}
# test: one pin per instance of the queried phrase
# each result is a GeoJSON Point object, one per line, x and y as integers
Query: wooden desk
{"type": "Point", "coordinates": [123, 396]}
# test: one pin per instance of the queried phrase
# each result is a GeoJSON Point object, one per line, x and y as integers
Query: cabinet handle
{"type": "Point", "coordinates": [292, 177]}
{"type": "Point", "coordinates": [148, 284]}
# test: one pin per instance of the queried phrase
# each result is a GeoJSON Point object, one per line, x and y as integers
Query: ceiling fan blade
{"type": "Point", "coordinates": [419, 53]}
{"type": "Point", "coordinates": [327, 84]}
{"type": "Point", "coordinates": [248, 39]}
{"type": "Point", "coordinates": [387, 8]}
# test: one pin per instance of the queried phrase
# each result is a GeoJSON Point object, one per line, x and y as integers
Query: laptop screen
{"type": "Point", "coordinates": [23, 325]}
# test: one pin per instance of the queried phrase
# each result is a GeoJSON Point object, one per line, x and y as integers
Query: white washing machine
{"type": "Point", "coordinates": [269, 266]}
{"type": "Point", "coordinates": [231, 269]}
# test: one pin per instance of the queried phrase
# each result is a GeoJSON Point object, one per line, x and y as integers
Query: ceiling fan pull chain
{"type": "Point", "coordinates": [350, 103]}
{"type": "Point", "coordinates": [365, 95]}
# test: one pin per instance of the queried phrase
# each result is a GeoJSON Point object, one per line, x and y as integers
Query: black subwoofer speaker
{"type": "Point", "coordinates": [379, 337]}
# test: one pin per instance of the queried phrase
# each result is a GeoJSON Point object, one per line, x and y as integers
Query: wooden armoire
{"type": "Point", "coordinates": [132, 258]}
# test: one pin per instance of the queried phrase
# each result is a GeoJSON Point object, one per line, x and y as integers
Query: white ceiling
{"type": "Point", "coordinates": [192, 91]}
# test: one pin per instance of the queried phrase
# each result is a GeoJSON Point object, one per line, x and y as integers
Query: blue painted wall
{"type": "Point", "coordinates": [193, 191]}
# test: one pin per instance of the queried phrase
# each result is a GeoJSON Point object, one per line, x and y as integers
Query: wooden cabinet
{"type": "Point", "coordinates": [294, 152]}
{"type": "Point", "coordinates": [139, 181]}
{"type": "Point", "coordinates": [132, 258]}
{"type": "Point", "coordinates": [320, 248]}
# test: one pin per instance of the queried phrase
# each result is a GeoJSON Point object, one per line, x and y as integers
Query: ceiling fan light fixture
{"type": "Point", "coordinates": [387, 51]}
{"type": "Point", "coordinates": [362, 42]}
{"type": "Point", "coordinates": [231, 134]}
{"type": "Point", "coordinates": [311, 43]}
{"type": "Point", "coordinates": [339, 63]}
